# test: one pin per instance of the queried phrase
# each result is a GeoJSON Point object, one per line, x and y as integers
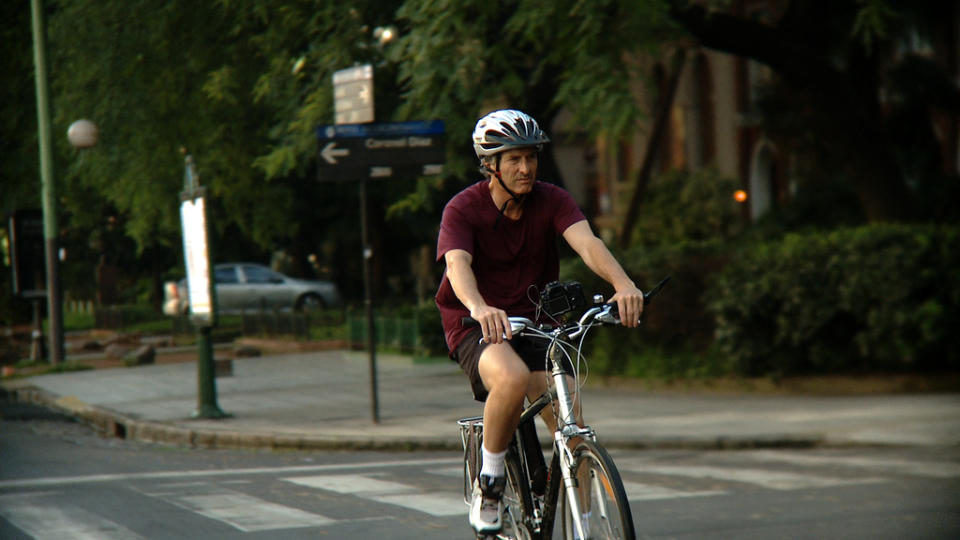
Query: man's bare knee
{"type": "Point", "coordinates": [502, 371]}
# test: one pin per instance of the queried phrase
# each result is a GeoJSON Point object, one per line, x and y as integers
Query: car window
{"type": "Point", "coordinates": [226, 275]}
{"type": "Point", "coordinates": [258, 274]}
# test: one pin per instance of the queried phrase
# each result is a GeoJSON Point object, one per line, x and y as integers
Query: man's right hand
{"type": "Point", "coordinates": [493, 322]}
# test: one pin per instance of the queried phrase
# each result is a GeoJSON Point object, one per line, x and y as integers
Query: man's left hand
{"type": "Point", "coordinates": [630, 305]}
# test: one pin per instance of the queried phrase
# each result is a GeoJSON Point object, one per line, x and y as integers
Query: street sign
{"type": "Point", "coordinates": [27, 260]}
{"type": "Point", "coordinates": [385, 150]}
{"type": "Point", "coordinates": [196, 255]}
{"type": "Point", "coordinates": [353, 95]}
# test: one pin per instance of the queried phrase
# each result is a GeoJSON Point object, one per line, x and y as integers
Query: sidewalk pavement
{"type": "Point", "coordinates": [322, 400]}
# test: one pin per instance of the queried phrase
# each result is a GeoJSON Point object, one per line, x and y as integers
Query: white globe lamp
{"type": "Point", "coordinates": [82, 134]}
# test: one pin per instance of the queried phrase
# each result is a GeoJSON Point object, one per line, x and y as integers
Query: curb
{"type": "Point", "coordinates": [115, 425]}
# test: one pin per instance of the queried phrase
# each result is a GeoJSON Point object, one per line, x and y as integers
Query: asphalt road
{"type": "Point", "coordinates": [58, 480]}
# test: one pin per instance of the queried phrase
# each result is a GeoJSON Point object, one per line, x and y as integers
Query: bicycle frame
{"type": "Point", "coordinates": [561, 464]}
{"type": "Point", "coordinates": [539, 498]}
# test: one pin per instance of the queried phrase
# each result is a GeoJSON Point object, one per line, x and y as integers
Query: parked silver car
{"type": "Point", "coordinates": [249, 286]}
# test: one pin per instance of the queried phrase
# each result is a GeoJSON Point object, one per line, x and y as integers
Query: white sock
{"type": "Point", "coordinates": [492, 463]}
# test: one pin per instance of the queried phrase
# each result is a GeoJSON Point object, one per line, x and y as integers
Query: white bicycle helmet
{"type": "Point", "coordinates": [505, 129]}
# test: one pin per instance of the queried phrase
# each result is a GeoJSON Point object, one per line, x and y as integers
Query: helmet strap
{"type": "Point", "coordinates": [515, 198]}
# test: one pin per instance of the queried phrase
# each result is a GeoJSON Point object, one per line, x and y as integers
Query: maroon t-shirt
{"type": "Point", "coordinates": [513, 262]}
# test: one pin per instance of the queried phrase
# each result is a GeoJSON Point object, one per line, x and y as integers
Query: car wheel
{"type": "Point", "coordinates": [310, 302]}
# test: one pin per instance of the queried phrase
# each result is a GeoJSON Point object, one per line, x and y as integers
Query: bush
{"type": "Point", "coordinates": [120, 316]}
{"type": "Point", "coordinates": [675, 325]}
{"type": "Point", "coordinates": [684, 206]}
{"type": "Point", "coordinates": [430, 329]}
{"type": "Point", "coordinates": [876, 298]}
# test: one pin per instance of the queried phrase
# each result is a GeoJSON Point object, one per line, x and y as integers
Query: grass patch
{"type": "Point", "coordinates": [74, 321]}
{"type": "Point", "coordinates": [29, 368]}
{"type": "Point", "coordinates": [328, 332]}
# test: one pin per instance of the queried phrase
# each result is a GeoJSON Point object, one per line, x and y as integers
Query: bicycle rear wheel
{"type": "Point", "coordinates": [603, 501]}
{"type": "Point", "coordinates": [517, 502]}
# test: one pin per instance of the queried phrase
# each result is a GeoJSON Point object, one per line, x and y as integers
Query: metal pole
{"type": "Point", "coordinates": [50, 233]}
{"type": "Point", "coordinates": [207, 406]}
{"type": "Point", "coordinates": [368, 301]}
{"type": "Point", "coordinates": [36, 347]}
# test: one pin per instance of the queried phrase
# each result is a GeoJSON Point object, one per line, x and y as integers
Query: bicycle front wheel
{"type": "Point", "coordinates": [605, 511]}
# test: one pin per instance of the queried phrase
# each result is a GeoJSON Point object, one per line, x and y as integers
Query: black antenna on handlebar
{"type": "Point", "coordinates": [648, 296]}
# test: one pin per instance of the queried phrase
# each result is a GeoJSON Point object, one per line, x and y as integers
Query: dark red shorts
{"type": "Point", "coordinates": [532, 351]}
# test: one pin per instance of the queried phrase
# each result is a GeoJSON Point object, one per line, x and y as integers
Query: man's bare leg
{"type": "Point", "coordinates": [506, 377]}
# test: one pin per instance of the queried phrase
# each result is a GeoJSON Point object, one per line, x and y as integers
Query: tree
{"type": "Point", "coordinates": [540, 57]}
{"type": "Point", "coordinates": [851, 93]}
{"type": "Point", "coordinates": [19, 170]}
{"type": "Point", "coordinates": [243, 86]}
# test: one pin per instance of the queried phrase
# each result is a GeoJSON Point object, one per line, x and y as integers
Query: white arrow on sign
{"type": "Point", "coordinates": [330, 152]}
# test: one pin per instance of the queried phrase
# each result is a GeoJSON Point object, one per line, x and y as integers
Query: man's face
{"type": "Point", "coordinates": [518, 169]}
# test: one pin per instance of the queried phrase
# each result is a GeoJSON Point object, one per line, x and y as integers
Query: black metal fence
{"type": "Point", "coordinates": [410, 332]}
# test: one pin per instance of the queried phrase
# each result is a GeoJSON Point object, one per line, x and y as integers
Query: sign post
{"type": "Point", "coordinates": [357, 150]}
{"type": "Point", "coordinates": [200, 287]}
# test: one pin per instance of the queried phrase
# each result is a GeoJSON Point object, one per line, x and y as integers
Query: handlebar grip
{"type": "Point", "coordinates": [648, 296]}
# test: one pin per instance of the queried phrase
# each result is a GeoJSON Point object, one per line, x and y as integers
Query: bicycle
{"type": "Point", "coordinates": [581, 491]}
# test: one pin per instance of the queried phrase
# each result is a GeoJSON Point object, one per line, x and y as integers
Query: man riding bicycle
{"type": "Point", "coordinates": [498, 241]}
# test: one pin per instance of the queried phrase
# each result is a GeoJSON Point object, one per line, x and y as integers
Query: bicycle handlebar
{"type": "Point", "coordinates": [605, 314]}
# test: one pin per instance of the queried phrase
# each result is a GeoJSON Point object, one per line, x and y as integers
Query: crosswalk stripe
{"type": "Point", "coordinates": [918, 468]}
{"type": "Point", "coordinates": [241, 511]}
{"type": "Point", "coordinates": [395, 493]}
{"type": "Point", "coordinates": [637, 491]}
{"type": "Point", "coordinates": [455, 472]}
{"type": "Point", "coordinates": [59, 481]}
{"type": "Point", "coordinates": [768, 479]}
{"type": "Point", "coordinates": [46, 521]}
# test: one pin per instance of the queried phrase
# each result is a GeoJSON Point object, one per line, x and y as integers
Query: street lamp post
{"type": "Point", "coordinates": [200, 286]}
{"type": "Point", "coordinates": [50, 232]}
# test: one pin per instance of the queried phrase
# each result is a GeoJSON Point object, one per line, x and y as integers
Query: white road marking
{"type": "Point", "coordinates": [239, 510]}
{"type": "Point", "coordinates": [47, 521]}
{"type": "Point", "coordinates": [768, 479]}
{"type": "Point", "coordinates": [455, 472]}
{"type": "Point", "coordinates": [395, 493]}
{"type": "Point", "coordinates": [918, 468]}
{"type": "Point", "coordinates": [163, 475]}
{"type": "Point", "coordinates": [637, 491]}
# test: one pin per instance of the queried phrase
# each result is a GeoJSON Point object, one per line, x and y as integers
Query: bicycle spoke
{"type": "Point", "coordinates": [605, 512]}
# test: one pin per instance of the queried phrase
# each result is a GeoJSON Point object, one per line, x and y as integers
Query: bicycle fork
{"type": "Point", "coordinates": [567, 429]}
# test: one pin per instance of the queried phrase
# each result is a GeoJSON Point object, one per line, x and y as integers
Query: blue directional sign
{"type": "Point", "coordinates": [386, 150]}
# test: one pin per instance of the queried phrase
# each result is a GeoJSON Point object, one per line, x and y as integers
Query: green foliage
{"type": "Point", "coordinates": [430, 330]}
{"type": "Point", "coordinates": [457, 60]}
{"type": "Point", "coordinates": [676, 320]}
{"type": "Point", "coordinates": [878, 298]}
{"type": "Point", "coordinates": [689, 206]}
{"type": "Point", "coordinates": [872, 21]}
{"type": "Point", "coordinates": [156, 76]}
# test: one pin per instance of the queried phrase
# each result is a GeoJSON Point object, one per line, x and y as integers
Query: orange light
{"type": "Point", "coordinates": [740, 195]}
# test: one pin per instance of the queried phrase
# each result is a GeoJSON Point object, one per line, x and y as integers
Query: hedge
{"type": "Point", "coordinates": [677, 330]}
{"type": "Point", "coordinates": [879, 298]}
